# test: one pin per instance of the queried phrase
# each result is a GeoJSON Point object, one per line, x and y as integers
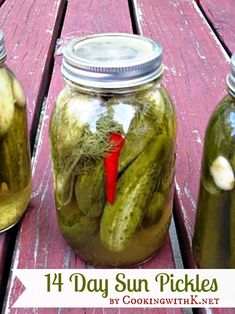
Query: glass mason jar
{"type": "Point", "coordinates": [15, 166]}
{"type": "Point", "coordinates": [112, 136]}
{"type": "Point", "coordinates": [214, 235]}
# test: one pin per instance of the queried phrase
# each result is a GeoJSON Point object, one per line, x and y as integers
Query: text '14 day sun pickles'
{"type": "Point", "coordinates": [112, 136]}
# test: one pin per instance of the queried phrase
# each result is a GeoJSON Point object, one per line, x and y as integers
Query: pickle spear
{"type": "Point", "coordinates": [6, 101]}
{"type": "Point", "coordinates": [76, 227]}
{"type": "Point", "coordinates": [90, 190]}
{"type": "Point", "coordinates": [154, 209]}
{"type": "Point", "coordinates": [14, 153]}
{"type": "Point", "coordinates": [65, 145]}
{"type": "Point", "coordinates": [135, 142]}
{"type": "Point", "coordinates": [121, 220]}
{"type": "Point", "coordinates": [18, 93]}
{"type": "Point", "coordinates": [147, 122]}
{"type": "Point", "coordinates": [81, 231]}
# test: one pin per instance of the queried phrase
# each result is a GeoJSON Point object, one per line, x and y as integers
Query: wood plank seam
{"type": "Point", "coordinates": [175, 246]}
{"type": "Point", "coordinates": [45, 83]}
{"type": "Point", "coordinates": [183, 233]}
{"type": "Point", "coordinates": [198, 65]}
{"type": "Point", "coordinates": [214, 29]}
{"type": "Point", "coordinates": [226, 55]}
{"type": "Point", "coordinates": [133, 17]}
{"type": "Point", "coordinates": [134, 14]}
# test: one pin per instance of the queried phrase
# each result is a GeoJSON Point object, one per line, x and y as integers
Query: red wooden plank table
{"type": "Point", "coordinates": [196, 66]}
{"type": "Point", "coordinates": [221, 16]}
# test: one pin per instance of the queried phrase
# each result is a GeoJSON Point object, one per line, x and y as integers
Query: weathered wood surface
{"type": "Point", "coordinates": [216, 311]}
{"type": "Point", "coordinates": [39, 243]}
{"type": "Point", "coordinates": [195, 75]}
{"type": "Point", "coordinates": [196, 68]}
{"type": "Point", "coordinates": [222, 16]}
{"type": "Point", "coordinates": [29, 47]}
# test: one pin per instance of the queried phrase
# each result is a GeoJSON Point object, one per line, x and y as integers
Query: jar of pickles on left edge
{"type": "Point", "coordinates": [15, 166]}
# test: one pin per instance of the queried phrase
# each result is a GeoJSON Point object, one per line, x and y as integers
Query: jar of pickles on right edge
{"type": "Point", "coordinates": [214, 235]}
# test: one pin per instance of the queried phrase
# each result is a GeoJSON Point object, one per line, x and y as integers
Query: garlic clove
{"type": "Point", "coordinates": [222, 173]}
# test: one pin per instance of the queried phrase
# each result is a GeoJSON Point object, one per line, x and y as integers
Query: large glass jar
{"type": "Point", "coordinates": [15, 169]}
{"type": "Point", "coordinates": [112, 136]}
{"type": "Point", "coordinates": [214, 235]}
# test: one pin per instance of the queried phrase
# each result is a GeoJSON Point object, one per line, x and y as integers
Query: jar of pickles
{"type": "Point", "coordinates": [112, 136]}
{"type": "Point", "coordinates": [214, 235]}
{"type": "Point", "coordinates": [15, 171]}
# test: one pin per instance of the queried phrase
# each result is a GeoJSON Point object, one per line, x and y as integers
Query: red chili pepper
{"type": "Point", "coordinates": [111, 166]}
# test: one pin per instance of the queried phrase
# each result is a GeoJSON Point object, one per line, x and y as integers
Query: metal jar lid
{"type": "Point", "coordinates": [231, 75]}
{"type": "Point", "coordinates": [2, 47]}
{"type": "Point", "coordinates": [112, 61]}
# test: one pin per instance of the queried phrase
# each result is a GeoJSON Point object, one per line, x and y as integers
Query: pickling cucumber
{"type": "Point", "coordinates": [121, 220]}
{"type": "Point", "coordinates": [6, 101]}
{"type": "Point", "coordinates": [14, 153]}
{"type": "Point", "coordinates": [90, 190]}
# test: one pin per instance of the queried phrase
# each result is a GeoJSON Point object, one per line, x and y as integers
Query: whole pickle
{"type": "Point", "coordinates": [120, 221]}
{"type": "Point", "coordinates": [154, 209]}
{"type": "Point", "coordinates": [153, 235]}
{"type": "Point", "coordinates": [70, 214]}
{"type": "Point", "coordinates": [14, 153]}
{"type": "Point", "coordinates": [80, 232]}
{"type": "Point", "coordinates": [12, 205]}
{"type": "Point", "coordinates": [169, 120]}
{"type": "Point", "coordinates": [6, 101]}
{"type": "Point", "coordinates": [163, 186]}
{"type": "Point", "coordinates": [168, 170]}
{"type": "Point", "coordinates": [64, 184]}
{"type": "Point", "coordinates": [65, 146]}
{"type": "Point", "coordinates": [148, 121]}
{"type": "Point", "coordinates": [90, 190]}
{"type": "Point", "coordinates": [18, 93]}
{"type": "Point", "coordinates": [75, 227]}
{"type": "Point", "coordinates": [134, 143]}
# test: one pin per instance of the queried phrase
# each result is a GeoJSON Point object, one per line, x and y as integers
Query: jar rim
{"type": "Point", "coordinates": [112, 60]}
